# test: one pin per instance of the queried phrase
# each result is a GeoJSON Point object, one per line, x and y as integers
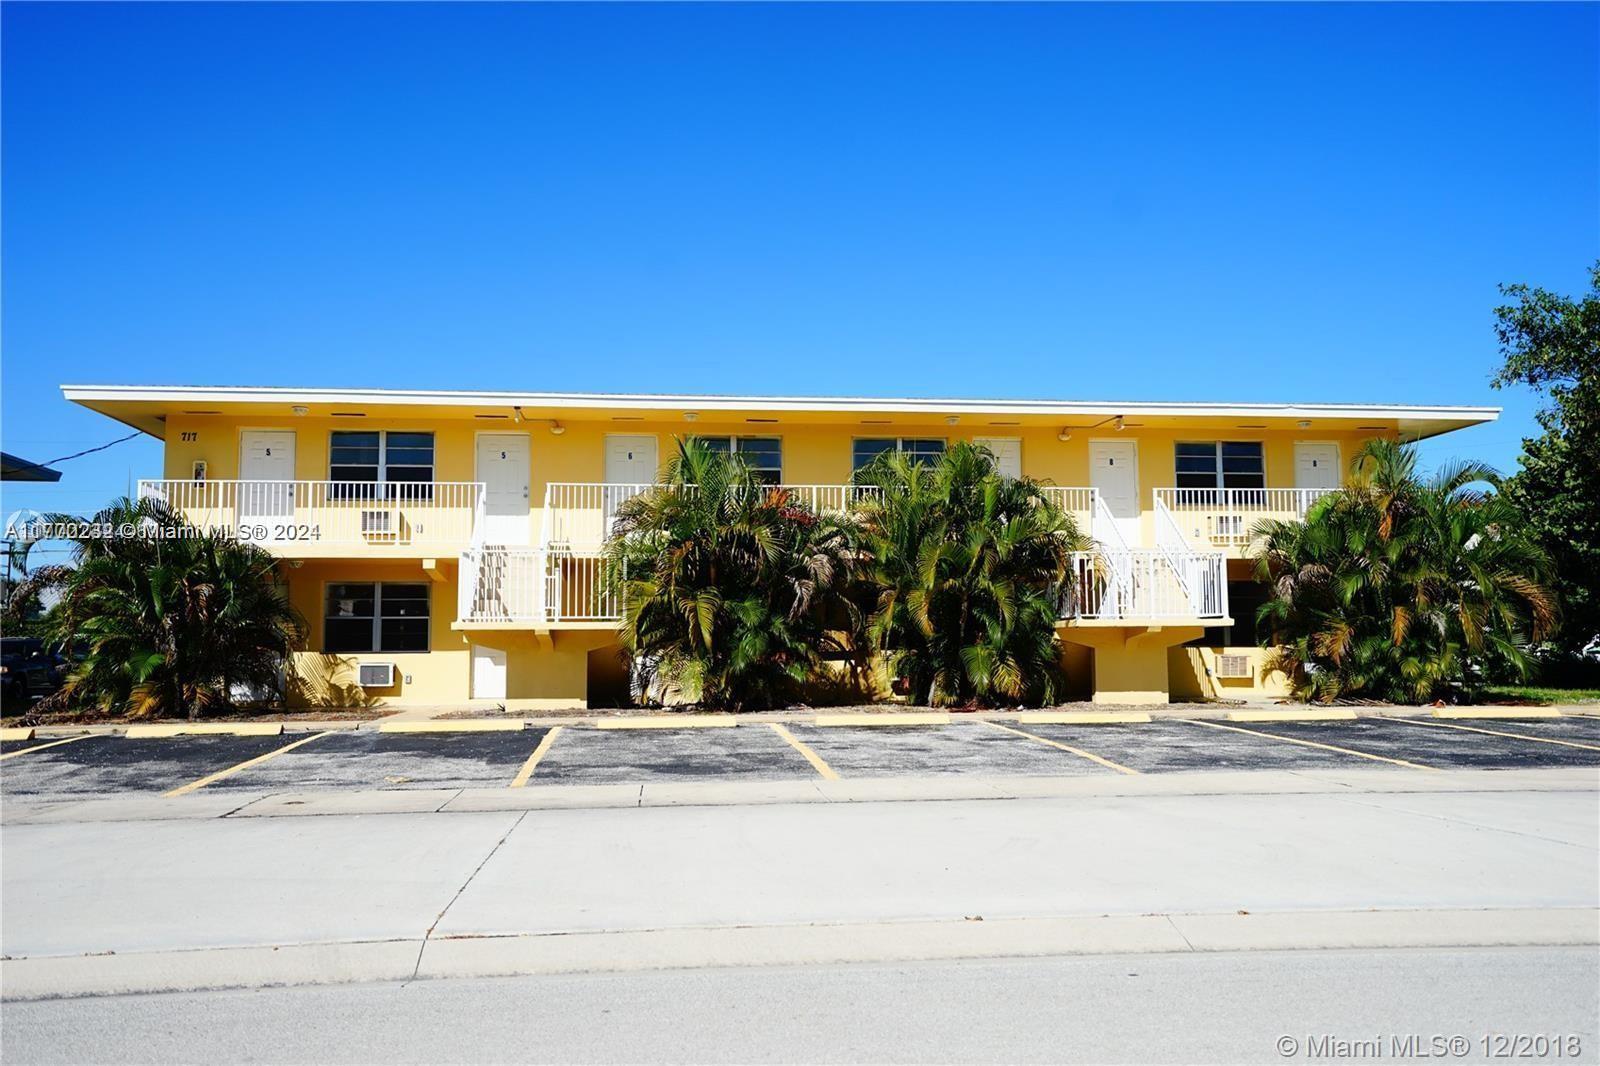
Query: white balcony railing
{"type": "Point", "coordinates": [578, 515]}
{"type": "Point", "coordinates": [533, 586]}
{"type": "Point", "coordinates": [312, 514]}
{"type": "Point", "coordinates": [1147, 583]}
{"type": "Point", "coordinates": [1224, 517]}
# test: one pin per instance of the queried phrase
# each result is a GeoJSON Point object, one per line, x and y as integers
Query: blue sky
{"type": "Point", "coordinates": [1175, 202]}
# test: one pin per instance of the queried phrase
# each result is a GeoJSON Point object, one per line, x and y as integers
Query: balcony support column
{"type": "Point", "coordinates": [1130, 662]}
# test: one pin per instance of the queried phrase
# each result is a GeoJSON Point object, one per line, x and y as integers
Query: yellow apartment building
{"type": "Point", "coordinates": [444, 546]}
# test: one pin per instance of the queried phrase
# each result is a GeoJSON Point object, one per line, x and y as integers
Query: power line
{"type": "Point", "coordinates": [87, 451]}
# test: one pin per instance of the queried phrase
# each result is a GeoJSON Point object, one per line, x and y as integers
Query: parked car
{"type": "Point", "coordinates": [29, 671]}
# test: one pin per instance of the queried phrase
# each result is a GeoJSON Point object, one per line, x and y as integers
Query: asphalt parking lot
{"type": "Point", "coordinates": [102, 766]}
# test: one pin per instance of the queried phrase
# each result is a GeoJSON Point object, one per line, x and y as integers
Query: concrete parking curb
{"type": "Point", "coordinates": [1302, 715]}
{"type": "Point", "coordinates": [867, 942]}
{"type": "Point", "coordinates": [671, 721]}
{"type": "Point", "coordinates": [12, 733]}
{"type": "Point", "coordinates": [231, 729]}
{"type": "Point", "coordinates": [455, 725]}
{"type": "Point", "coordinates": [1076, 717]}
{"type": "Point", "coordinates": [886, 718]}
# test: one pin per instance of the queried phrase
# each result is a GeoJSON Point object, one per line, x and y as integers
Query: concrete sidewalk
{"type": "Point", "coordinates": [213, 902]}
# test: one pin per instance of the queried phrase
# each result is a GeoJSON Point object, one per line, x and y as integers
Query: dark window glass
{"type": "Point", "coordinates": [376, 617]}
{"type": "Point", "coordinates": [867, 449]}
{"type": "Point", "coordinates": [765, 456]}
{"type": "Point", "coordinates": [347, 623]}
{"type": "Point", "coordinates": [353, 456]}
{"type": "Point", "coordinates": [922, 451]}
{"type": "Point", "coordinates": [371, 456]}
{"type": "Point", "coordinates": [405, 634]}
{"type": "Point", "coordinates": [1220, 464]}
{"type": "Point", "coordinates": [1242, 465]}
{"type": "Point", "coordinates": [720, 445]}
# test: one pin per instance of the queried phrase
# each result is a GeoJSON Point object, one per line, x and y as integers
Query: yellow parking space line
{"type": "Point", "coordinates": [804, 749]}
{"type": "Point", "coordinates": [1496, 712]}
{"type": "Point", "coordinates": [1091, 756]}
{"type": "Point", "coordinates": [184, 790]}
{"type": "Point", "coordinates": [521, 780]}
{"type": "Point", "coordinates": [41, 747]}
{"type": "Point", "coordinates": [1492, 732]}
{"type": "Point", "coordinates": [1309, 743]}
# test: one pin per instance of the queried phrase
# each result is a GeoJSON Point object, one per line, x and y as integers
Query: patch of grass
{"type": "Point", "coordinates": [1540, 694]}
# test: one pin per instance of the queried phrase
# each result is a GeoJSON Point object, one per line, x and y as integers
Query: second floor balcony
{"type": "Point", "coordinates": [1222, 519]}
{"type": "Point", "coordinates": [561, 579]}
{"type": "Point", "coordinates": [323, 519]}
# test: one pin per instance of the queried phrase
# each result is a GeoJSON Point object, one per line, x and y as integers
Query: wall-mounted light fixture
{"type": "Point", "coordinates": [1064, 435]}
{"type": "Point", "coordinates": [300, 411]}
{"type": "Point", "coordinates": [1303, 424]}
{"type": "Point", "coordinates": [557, 428]}
{"type": "Point", "coordinates": [1120, 424]}
{"type": "Point", "coordinates": [690, 416]}
{"type": "Point", "coordinates": [516, 414]}
{"type": "Point", "coordinates": [951, 420]}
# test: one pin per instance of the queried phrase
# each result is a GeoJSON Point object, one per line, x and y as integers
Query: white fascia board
{"type": "Point", "coordinates": [637, 401]}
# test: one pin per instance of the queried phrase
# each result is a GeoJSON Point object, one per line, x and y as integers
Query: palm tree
{"type": "Point", "coordinates": [1402, 588]}
{"type": "Point", "coordinates": [172, 619]}
{"type": "Point", "coordinates": [729, 585]}
{"type": "Point", "coordinates": [968, 567]}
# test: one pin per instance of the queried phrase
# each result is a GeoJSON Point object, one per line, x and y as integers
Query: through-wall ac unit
{"type": "Point", "coordinates": [377, 523]}
{"type": "Point", "coordinates": [1229, 525]}
{"type": "Point", "coordinates": [1233, 666]}
{"type": "Point", "coordinates": [376, 675]}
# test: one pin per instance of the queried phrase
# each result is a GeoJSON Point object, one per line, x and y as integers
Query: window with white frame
{"type": "Point", "coordinates": [764, 455]}
{"type": "Point", "coordinates": [372, 616]}
{"type": "Point", "coordinates": [921, 450]}
{"type": "Point", "coordinates": [400, 460]}
{"type": "Point", "coordinates": [1220, 464]}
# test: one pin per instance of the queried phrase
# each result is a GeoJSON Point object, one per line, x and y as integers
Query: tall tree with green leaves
{"type": "Point", "coordinates": [731, 587]}
{"type": "Point", "coordinates": [1552, 344]}
{"type": "Point", "coordinates": [171, 620]}
{"type": "Point", "coordinates": [968, 567]}
{"type": "Point", "coordinates": [1403, 588]}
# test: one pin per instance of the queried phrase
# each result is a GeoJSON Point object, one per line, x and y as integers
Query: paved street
{"type": "Point", "coordinates": [1225, 1008]}
{"type": "Point", "coordinates": [977, 890]}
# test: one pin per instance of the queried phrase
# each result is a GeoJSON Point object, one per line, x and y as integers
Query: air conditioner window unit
{"type": "Point", "coordinates": [377, 675]}
{"type": "Point", "coordinates": [1230, 525]}
{"type": "Point", "coordinates": [377, 522]}
{"type": "Point", "coordinates": [1233, 666]}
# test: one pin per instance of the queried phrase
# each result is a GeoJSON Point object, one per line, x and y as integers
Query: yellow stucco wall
{"type": "Point", "coordinates": [1192, 671]}
{"type": "Point", "coordinates": [812, 454]}
{"type": "Point", "coordinates": [555, 669]}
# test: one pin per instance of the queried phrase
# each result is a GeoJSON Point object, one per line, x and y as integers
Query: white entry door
{"type": "Point", "coordinates": [503, 469]}
{"type": "Point", "coordinates": [630, 460]}
{"type": "Point", "coordinates": [488, 673]}
{"type": "Point", "coordinates": [1316, 465]}
{"type": "Point", "coordinates": [1007, 453]}
{"type": "Point", "coordinates": [266, 475]}
{"type": "Point", "coordinates": [1114, 470]}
